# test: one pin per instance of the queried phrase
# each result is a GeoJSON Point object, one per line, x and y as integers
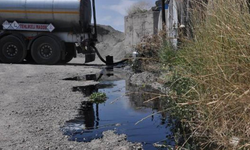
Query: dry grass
{"type": "Point", "coordinates": [148, 49]}
{"type": "Point", "coordinates": [139, 7]}
{"type": "Point", "coordinates": [218, 61]}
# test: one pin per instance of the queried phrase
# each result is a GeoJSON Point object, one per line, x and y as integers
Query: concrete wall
{"type": "Point", "coordinates": [140, 25]}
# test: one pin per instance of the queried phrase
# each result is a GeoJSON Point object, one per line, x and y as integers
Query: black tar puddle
{"type": "Point", "coordinates": [82, 78]}
{"type": "Point", "coordinates": [123, 109]}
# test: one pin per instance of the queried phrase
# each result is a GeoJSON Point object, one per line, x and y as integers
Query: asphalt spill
{"type": "Point", "coordinates": [125, 106]}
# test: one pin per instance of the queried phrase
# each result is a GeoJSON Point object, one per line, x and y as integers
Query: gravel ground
{"type": "Point", "coordinates": [35, 102]}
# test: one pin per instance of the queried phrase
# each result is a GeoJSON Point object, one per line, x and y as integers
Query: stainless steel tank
{"type": "Point", "coordinates": [65, 15]}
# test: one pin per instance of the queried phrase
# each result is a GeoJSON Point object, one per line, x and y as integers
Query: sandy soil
{"type": "Point", "coordinates": [35, 102]}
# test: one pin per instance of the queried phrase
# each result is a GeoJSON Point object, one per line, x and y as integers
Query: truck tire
{"type": "Point", "coordinates": [70, 53]}
{"type": "Point", "coordinates": [12, 49]}
{"type": "Point", "coordinates": [46, 50]}
{"type": "Point", "coordinates": [68, 57]}
{"type": "Point", "coordinates": [29, 58]}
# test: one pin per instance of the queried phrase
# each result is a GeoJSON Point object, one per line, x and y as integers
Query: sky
{"type": "Point", "coordinates": [112, 12]}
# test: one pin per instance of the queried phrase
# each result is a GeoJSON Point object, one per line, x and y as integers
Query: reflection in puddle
{"type": "Point", "coordinates": [86, 90]}
{"type": "Point", "coordinates": [82, 78]}
{"type": "Point", "coordinates": [120, 112]}
{"type": "Point", "coordinates": [89, 89]}
{"type": "Point", "coordinates": [107, 72]}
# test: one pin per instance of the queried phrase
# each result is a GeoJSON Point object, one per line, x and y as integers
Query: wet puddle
{"type": "Point", "coordinates": [124, 107]}
{"type": "Point", "coordinates": [82, 78]}
{"type": "Point", "coordinates": [88, 77]}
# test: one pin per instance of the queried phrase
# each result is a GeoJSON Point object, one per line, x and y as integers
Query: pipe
{"type": "Point", "coordinates": [104, 61]}
{"type": "Point", "coordinates": [95, 39]}
{"type": "Point", "coordinates": [163, 13]}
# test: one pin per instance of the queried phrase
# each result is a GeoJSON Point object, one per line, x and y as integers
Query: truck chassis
{"type": "Point", "coordinates": [19, 41]}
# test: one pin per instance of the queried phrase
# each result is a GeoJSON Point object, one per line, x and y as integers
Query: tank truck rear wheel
{"type": "Point", "coordinates": [12, 49]}
{"type": "Point", "coordinates": [70, 53]}
{"type": "Point", "coordinates": [46, 50]}
{"type": "Point", "coordinates": [29, 58]}
{"type": "Point", "coordinates": [68, 57]}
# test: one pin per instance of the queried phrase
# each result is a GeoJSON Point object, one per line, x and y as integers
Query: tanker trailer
{"type": "Point", "coordinates": [48, 31]}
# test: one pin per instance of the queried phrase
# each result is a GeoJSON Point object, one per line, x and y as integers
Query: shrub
{"type": "Point", "coordinates": [98, 97]}
{"type": "Point", "coordinates": [139, 7]}
{"type": "Point", "coordinates": [149, 50]}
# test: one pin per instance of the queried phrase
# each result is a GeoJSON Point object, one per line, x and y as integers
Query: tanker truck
{"type": "Point", "coordinates": [47, 31]}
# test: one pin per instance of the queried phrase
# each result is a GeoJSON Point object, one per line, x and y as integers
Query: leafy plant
{"type": "Point", "coordinates": [98, 97]}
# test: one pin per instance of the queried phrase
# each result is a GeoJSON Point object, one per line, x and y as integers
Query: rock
{"type": "Point", "coordinates": [142, 78]}
{"type": "Point", "coordinates": [159, 145]}
{"type": "Point", "coordinates": [234, 141]}
{"type": "Point", "coordinates": [113, 141]}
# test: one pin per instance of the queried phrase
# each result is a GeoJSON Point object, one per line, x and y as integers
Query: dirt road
{"type": "Point", "coordinates": [35, 102]}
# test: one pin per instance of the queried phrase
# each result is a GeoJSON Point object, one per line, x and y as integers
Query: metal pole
{"type": "Point", "coordinates": [95, 26]}
{"type": "Point", "coordinates": [163, 13]}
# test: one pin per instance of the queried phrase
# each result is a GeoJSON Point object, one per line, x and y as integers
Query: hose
{"type": "Point", "coordinates": [104, 61]}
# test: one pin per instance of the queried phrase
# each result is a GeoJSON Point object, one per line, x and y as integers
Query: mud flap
{"type": "Point", "coordinates": [89, 57]}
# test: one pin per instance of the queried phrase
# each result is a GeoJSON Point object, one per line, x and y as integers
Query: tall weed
{"type": "Point", "coordinates": [217, 61]}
